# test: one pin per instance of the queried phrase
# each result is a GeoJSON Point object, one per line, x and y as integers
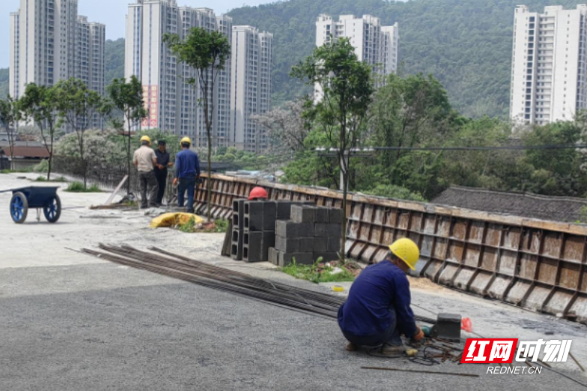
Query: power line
{"type": "Point", "coordinates": [507, 147]}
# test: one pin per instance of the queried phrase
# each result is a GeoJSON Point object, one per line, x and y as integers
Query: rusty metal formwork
{"type": "Point", "coordinates": [539, 265]}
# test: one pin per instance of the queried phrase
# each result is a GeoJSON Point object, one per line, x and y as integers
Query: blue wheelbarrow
{"type": "Point", "coordinates": [44, 198]}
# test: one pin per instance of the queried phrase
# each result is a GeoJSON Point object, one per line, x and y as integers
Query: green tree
{"type": "Point", "coordinates": [9, 116]}
{"type": "Point", "coordinates": [206, 53]}
{"type": "Point", "coordinates": [77, 105]}
{"type": "Point", "coordinates": [38, 104]}
{"type": "Point", "coordinates": [128, 98]}
{"type": "Point", "coordinates": [347, 91]}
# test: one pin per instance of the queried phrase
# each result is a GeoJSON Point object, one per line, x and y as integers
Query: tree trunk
{"type": "Point", "coordinates": [344, 217]}
{"type": "Point", "coordinates": [128, 168]}
{"type": "Point", "coordinates": [49, 163]}
{"type": "Point", "coordinates": [209, 181]}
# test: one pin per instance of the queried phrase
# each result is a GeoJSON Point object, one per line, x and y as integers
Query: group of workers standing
{"type": "Point", "coordinates": [152, 166]}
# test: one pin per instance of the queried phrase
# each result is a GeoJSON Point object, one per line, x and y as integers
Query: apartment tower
{"type": "Point", "coordinates": [548, 65]}
{"type": "Point", "coordinates": [49, 42]}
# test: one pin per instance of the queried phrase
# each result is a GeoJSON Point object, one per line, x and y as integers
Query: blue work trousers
{"type": "Point", "coordinates": [188, 184]}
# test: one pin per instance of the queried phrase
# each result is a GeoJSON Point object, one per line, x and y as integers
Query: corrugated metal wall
{"type": "Point", "coordinates": [535, 264]}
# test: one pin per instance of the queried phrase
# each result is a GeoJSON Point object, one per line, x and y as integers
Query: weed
{"type": "Point", "coordinates": [78, 187]}
{"type": "Point", "coordinates": [221, 225]}
{"type": "Point", "coordinates": [316, 273]}
{"type": "Point", "coordinates": [44, 179]}
{"type": "Point", "coordinates": [189, 227]}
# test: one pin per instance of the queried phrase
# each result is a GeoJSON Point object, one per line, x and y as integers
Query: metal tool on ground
{"type": "Point", "coordinates": [417, 371]}
{"type": "Point", "coordinates": [36, 197]}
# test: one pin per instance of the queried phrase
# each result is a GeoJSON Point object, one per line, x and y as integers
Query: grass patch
{"type": "Point", "coordinates": [44, 179]}
{"type": "Point", "coordinates": [78, 187]}
{"type": "Point", "coordinates": [189, 227]}
{"type": "Point", "coordinates": [318, 272]}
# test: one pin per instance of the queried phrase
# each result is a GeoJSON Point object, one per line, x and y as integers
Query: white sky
{"type": "Point", "coordinates": [111, 13]}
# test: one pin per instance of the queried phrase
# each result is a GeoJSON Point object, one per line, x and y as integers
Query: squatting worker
{"type": "Point", "coordinates": [377, 311]}
{"type": "Point", "coordinates": [145, 160]}
{"type": "Point", "coordinates": [161, 168]}
{"type": "Point", "coordinates": [187, 171]}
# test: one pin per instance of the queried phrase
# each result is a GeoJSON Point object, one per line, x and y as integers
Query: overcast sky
{"type": "Point", "coordinates": [109, 12]}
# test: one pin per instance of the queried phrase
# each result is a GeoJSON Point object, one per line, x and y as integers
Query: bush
{"type": "Point", "coordinates": [78, 187]}
{"type": "Point", "coordinates": [392, 191]}
{"type": "Point", "coordinates": [42, 167]}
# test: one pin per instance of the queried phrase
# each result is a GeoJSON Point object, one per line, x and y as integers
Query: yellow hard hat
{"type": "Point", "coordinates": [406, 250]}
{"type": "Point", "coordinates": [185, 140]}
{"type": "Point", "coordinates": [146, 138]}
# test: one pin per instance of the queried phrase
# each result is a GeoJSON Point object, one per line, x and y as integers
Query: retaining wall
{"type": "Point", "coordinates": [535, 264]}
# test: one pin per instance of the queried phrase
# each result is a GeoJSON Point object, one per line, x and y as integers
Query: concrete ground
{"type": "Point", "coordinates": [69, 321]}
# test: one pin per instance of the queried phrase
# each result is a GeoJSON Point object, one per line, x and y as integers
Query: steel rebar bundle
{"type": "Point", "coordinates": [176, 266]}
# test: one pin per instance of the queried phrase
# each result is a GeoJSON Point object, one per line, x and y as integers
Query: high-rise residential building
{"type": "Point", "coordinates": [49, 42]}
{"type": "Point", "coordinates": [251, 86]}
{"type": "Point", "coordinates": [374, 44]}
{"type": "Point", "coordinates": [174, 105]}
{"type": "Point", "coordinates": [548, 65]}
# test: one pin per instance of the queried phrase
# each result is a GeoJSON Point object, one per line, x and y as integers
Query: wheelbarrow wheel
{"type": "Point", "coordinates": [19, 208]}
{"type": "Point", "coordinates": [52, 209]}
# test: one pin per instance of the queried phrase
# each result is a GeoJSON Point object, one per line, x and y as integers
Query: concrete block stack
{"type": "Point", "coordinates": [254, 225]}
{"type": "Point", "coordinates": [309, 233]}
{"type": "Point", "coordinates": [238, 219]}
{"type": "Point", "coordinates": [259, 230]}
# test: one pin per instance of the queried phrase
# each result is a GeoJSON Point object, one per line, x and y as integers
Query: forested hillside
{"type": "Point", "coordinates": [466, 44]}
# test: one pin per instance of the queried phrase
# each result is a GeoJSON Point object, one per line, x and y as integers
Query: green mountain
{"type": "Point", "coordinates": [466, 44]}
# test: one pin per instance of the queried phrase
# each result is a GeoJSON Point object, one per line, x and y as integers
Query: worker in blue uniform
{"type": "Point", "coordinates": [187, 171]}
{"type": "Point", "coordinates": [377, 311]}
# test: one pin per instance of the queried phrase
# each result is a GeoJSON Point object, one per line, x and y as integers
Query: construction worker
{"type": "Point", "coordinates": [187, 172]}
{"type": "Point", "coordinates": [377, 311]}
{"type": "Point", "coordinates": [161, 168]}
{"type": "Point", "coordinates": [145, 160]}
{"type": "Point", "coordinates": [258, 194]}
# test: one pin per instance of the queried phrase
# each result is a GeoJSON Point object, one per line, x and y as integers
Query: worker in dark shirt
{"type": "Point", "coordinates": [187, 171]}
{"type": "Point", "coordinates": [377, 311]}
{"type": "Point", "coordinates": [161, 168]}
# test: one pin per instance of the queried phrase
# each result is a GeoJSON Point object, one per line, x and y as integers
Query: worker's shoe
{"type": "Point", "coordinates": [351, 347]}
{"type": "Point", "coordinates": [392, 350]}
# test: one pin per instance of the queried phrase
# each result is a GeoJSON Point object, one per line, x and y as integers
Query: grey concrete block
{"type": "Point", "coordinates": [269, 215]}
{"type": "Point", "coordinates": [327, 230]}
{"type": "Point", "coordinates": [238, 205]}
{"type": "Point", "coordinates": [254, 207]}
{"type": "Point", "coordinates": [302, 214]}
{"type": "Point", "coordinates": [288, 245]}
{"type": "Point", "coordinates": [284, 208]}
{"type": "Point", "coordinates": [236, 251]}
{"type": "Point", "coordinates": [320, 244]}
{"type": "Point", "coordinates": [253, 222]}
{"type": "Point", "coordinates": [326, 256]}
{"type": "Point", "coordinates": [267, 243]}
{"type": "Point", "coordinates": [273, 255]}
{"type": "Point", "coordinates": [306, 245]}
{"type": "Point", "coordinates": [289, 229]}
{"type": "Point", "coordinates": [321, 215]}
{"type": "Point", "coordinates": [238, 213]}
{"type": "Point", "coordinates": [335, 215]}
{"type": "Point", "coordinates": [253, 246]}
{"type": "Point", "coordinates": [300, 258]}
{"type": "Point", "coordinates": [333, 244]}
